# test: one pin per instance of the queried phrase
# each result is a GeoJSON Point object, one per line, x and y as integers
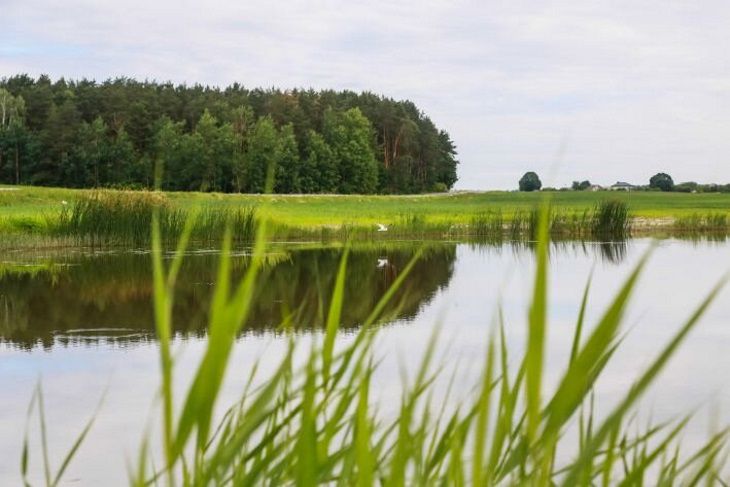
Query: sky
{"type": "Point", "coordinates": [573, 90]}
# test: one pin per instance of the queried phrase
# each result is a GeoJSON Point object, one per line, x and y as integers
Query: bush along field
{"type": "Point", "coordinates": [123, 217]}
{"type": "Point", "coordinates": [313, 420]}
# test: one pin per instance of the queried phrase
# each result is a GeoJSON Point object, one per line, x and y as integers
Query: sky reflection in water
{"type": "Point", "coordinates": [81, 321]}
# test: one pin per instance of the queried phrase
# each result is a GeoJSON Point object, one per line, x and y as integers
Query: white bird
{"type": "Point", "coordinates": [382, 263]}
{"type": "Point", "coordinates": [64, 202]}
{"type": "Point", "coordinates": [381, 227]}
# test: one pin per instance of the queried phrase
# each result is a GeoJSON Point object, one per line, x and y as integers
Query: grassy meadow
{"type": "Point", "coordinates": [54, 213]}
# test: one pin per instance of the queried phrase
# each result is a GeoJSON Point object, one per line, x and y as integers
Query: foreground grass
{"type": "Point", "coordinates": [32, 204]}
{"type": "Point", "coordinates": [313, 421]}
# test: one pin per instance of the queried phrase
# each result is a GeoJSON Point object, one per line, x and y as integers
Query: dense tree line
{"type": "Point", "coordinates": [127, 133]}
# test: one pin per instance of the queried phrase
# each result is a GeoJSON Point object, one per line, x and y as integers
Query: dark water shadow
{"type": "Point", "coordinates": [105, 297]}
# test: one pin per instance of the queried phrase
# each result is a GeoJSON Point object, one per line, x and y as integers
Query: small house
{"type": "Point", "coordinates": [622, 186]}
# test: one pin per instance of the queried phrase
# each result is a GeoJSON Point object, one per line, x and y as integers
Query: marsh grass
{"type": "Point", "coordinates": [489, 225]}
{"type": "Point", "coordinates": [123, 217]}
{"type": "Point", "coordinates": [108, 217]}
{"type": "Point", "coordinates": [313, 420]}
{"type": "Point", "coordinates": [608, 220]}
{"type": "Point", "coordinates": [712, 222]}
{"type": "Point", "coordinates": [611, 220]}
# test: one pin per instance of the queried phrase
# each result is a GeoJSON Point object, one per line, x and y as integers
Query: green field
{"type": "Point", "coordinates": [24, 209]}
{"type": "Point", "coordinates": [17, 203]}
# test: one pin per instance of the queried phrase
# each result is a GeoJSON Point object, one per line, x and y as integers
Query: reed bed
{"type": "Point", "coordinates": [712, 222]}
{"type": "Point", "coordinates": [609, 220]}
{"type": "Point", "coordinates": [123, 217]}
{"type": "Point", "coordinates": [313, 419]}
{"type": "Point", "coordinates": [108, 217]}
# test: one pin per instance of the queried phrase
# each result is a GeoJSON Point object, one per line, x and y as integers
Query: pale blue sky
{"type": "Point", "coordinates": [571, 89]}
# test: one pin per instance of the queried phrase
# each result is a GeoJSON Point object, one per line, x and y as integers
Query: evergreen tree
{"type": "Point", "coordinates": [59, 139]}
{"type": "Point", "coordinates": [122, 166]}
{"type": "Point", "coordinates": [85, 167]}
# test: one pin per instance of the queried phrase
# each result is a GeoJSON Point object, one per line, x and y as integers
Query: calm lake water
{"type": "Point", "coordinates": [80, 321]}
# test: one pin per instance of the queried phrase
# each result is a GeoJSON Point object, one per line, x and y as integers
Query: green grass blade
{"type": "Point", "coordinates": [581, 373]}
{"type": "Point", "coordinates": [537, 328]}
{"type": "Point", "coordinates": [581, 318]}
{"type": "Point", "coordinates": [334, 315]}
{"type": "Point", "coordinates": [646, 378]}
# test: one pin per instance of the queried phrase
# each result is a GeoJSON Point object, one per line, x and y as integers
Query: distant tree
{"type": "Point", "coordinates": [217, 144]}
{"type": "Point", "coordinates": [123, 167]}
{"type": "Point", "coordinates": [662, 181]}
{"type": "Point", "coordinates": [59, 138]}
{"type": "Point", "coordinates": [687, 187]}
{"type": "Point", "coordinates": [190, 163]}
{"type": "Point", "coordinates": [166, 150]}
{"type": "Point", "coordinates": [11, 108]}
{"type": "Point", "coordinates": [447, 161]}
{"type": "Point", "coordinates": [349, 134]}
{"type": "Point", "coordinates": [262, 154]}
{"type": "Point", "coordinates": [243, 120]}
{"type": "Point", "coordinates": [288, 164]}
{"type": "Point", "coordinates": [319, 166]}
{"type": "Point", "coordinates": [13, 132]}
{"type": "Point", "coordinates": [580, 185]}
{"type": "Point", "coordinates": [85, 167]}
{"type": "Point", "coordinates": [530, 182]}
{"type": "Point", "coordinates": [207, 130]}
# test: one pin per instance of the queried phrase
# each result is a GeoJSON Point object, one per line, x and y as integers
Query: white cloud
{"type": "Point", "coordinates": [629, 88]}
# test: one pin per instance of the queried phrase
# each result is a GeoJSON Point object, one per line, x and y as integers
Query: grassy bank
{"type": "Point", "coordinates": [30, 209]}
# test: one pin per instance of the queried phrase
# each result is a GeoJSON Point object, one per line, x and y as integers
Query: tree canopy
{"type": "Point", "coordinates": [662, 181]}
{"type": "Point", "coordinates": [530, 182]}
{"type": "Point", "coordinates": [581, 185]}
{"type": "Point", "coordinates": [128, 133]}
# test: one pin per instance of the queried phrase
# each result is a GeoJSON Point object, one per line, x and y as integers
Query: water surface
{"type": "Point", "coordinates": [81, 321]}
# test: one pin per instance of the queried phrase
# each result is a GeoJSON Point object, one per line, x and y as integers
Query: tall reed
{"type": "Point", "coordinates": [611, 220]}
{"type": "Point", "coordinates": [713, 222]}
{"type": "Point", "coordinates": [108, 217]}
{"type": "Point", "coordinates": [608, 220]}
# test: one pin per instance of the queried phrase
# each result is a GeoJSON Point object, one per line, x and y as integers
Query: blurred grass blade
{"type": "Point", "coordinates": [537, 327]}
{"type": "Point", "coordinates": [334, 315]}
{"type": "Point", "coordinates": [646, 378]}
{"type": "Point", "coordinates": [581, 319]}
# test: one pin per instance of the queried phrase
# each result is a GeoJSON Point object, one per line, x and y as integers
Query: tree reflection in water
{"type": "Point", "coordinates": [76, 299]}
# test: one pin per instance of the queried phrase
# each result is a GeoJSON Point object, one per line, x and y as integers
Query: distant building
{"type": "Point", "coordinates": [622, 186]}
{"type": "Point", "coordinates": [596, 187]}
